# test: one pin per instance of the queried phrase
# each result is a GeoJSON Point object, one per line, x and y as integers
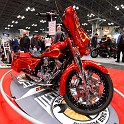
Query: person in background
{"type": "Point", "coordinates": [41, 43]}
{"type": "Point", "coordinates": [34, 42]}
{"type": "Point", "coordinates": [48, 41]}
{"type": "Point", "coordinates": [94, 41]}
{"type": "Point", "coordinates": [0, 40]}
{"type": "Point", "coordinates": [14, 44]}
{"type": "Point", "coordinates": [58, 34]}
{"type": "Point", "coordinates": [120, 46]}
{"type": "Point", "coordinates": [25, 43]}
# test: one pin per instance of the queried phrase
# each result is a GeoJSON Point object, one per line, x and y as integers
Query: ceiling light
{"type": "Point", "coordinates": [76, 7]}
{"type": "Point", "coordinates": [122, 6]}
{"type": "Point", "coordinates": [88, 30]}
{"type": "Point", "coordinates": [11, 26]}
{"type": "Point", "coordinates": [42, 21]}
{"type": "Point", "coordinates": [32, 9]}
{"type": "Point", "coordinates": [111, 23]}
{"type": "Point", "coordinates": [7, 28]}
{"type": "Point", "coordinates": [90, 15]}
{"type": "Point", "coordinates": [22, 17]}
{"type": "Point", "coordinates": [16, 22]}
{"type": "Point", "coordinates": [34, 25]}
{"type": "Point", "coordinates": [18, 16]}
{"type": "Point", "coordinates": [104, 20]}
{"type": "Point", "coordinates": [35, 31]}
{"type": "Point", "coordinates": [28, 28]}
{"type": "Point", "coordinates": [26, 9]}
{"type": "Point", "coordinates": [117, 7]}
{"type": "Point", "coordinates": [8, 25]}
{"type": "Point", "coordinates": [84, 24]}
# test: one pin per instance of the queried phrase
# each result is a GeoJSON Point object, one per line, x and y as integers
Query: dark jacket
{"type": "Point", "coordinates": [94, 41]}
{"type": "Point", "coordinates": [58, 36]}
{"type": "Point", "coordinates": [34, 42]}
{"type": "Point", "coordinates": [25, 42]}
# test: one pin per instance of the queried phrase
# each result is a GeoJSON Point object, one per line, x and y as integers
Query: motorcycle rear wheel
{"type": "Point", "coordinates": [76, 96]}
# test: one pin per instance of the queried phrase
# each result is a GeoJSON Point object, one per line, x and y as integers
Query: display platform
{"type": "Point", "coordinates": [36, 101]}
{"type": "Point", "coordinates": [4, 65]}
{"type": "Point", "coordinates": [47, 106]}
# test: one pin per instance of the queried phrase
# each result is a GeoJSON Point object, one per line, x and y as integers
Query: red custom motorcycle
{"type": "Point", "coordinates": [85, 85]}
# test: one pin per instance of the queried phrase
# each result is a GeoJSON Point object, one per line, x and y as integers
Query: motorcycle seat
{"type": "Point", "coordinates": [35, 54]}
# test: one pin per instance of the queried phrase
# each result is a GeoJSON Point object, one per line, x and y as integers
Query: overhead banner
{"type": "Point", "coordinates": [52, 28]}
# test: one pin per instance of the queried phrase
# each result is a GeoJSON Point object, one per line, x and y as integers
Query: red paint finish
{"type": "Point", "coordinates": [64, 78]}
{"type": "Point", "coordinates": [74, 67]}
{"type": "Point", "coordinates": [96, 65]}
{"type": "Point", "coordinates": [55, 50]}
{"type": "Point", "coordinates": [80, 37]}
{"type": "Point", "coordinates": [24, 61]}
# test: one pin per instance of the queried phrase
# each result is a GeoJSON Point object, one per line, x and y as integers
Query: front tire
{"type": "Point", "coordinates": [96, 99]}
{"type": "Point", "coordinates": [94, 53]}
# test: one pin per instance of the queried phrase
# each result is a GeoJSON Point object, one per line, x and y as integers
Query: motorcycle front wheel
{"type": "Point", "coordinates": [94, 53]}
{"type": "Point", "coordinates": [90, 98]}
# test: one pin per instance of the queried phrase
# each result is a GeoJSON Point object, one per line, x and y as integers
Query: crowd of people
{"type": "Point", "coordinates": [36, 42]}
{"type": "Point", "coordinates": [41, 43]}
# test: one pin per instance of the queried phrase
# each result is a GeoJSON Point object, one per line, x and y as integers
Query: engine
{"type": "Point", "coordinates": [49, 69]}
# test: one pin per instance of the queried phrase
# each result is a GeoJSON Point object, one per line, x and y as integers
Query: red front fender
{"type": "Point", "coordinates": [96, 65]}
{"type": "Point", "coordinates": [71, 67]}
{"type": "Point", "coordinates": [64, 78]}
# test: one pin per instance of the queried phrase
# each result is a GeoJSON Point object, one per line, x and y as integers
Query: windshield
{"type": "Point", "coordinates": [79, 36]}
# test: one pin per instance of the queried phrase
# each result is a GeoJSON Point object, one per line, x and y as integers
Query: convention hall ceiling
{"type": "Point", "coordinates": [15, 15]}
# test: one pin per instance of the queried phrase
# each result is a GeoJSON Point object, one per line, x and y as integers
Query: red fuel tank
{"type": "Point", "coordinates": [55, 51]}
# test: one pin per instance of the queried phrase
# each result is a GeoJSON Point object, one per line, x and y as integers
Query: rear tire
{"type": "Point", "coordinates": [77, 100]}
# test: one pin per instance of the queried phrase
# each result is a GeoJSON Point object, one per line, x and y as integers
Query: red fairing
{"type": "Point", "coordinates": [24, 61]}
{"type": "Point", "coordinates": [74, 67]}
{"type": "Point", "coordinates": [56, 50]}
{"type": "Point", "coordinates": [80, 37]}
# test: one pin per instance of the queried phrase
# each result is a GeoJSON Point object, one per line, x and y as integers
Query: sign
{"type": "Point", "coordinates": [6, 34]}
{"type": "Point", "coordinates": [52, 28]}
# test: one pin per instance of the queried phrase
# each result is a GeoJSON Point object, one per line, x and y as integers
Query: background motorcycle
{"type": "Point", "coordinates": [103, 51]}
{"type": "Point", "coordinates": [85, 85]}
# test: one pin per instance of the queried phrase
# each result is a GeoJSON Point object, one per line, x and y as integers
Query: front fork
{"type": "Point", "coordinates": [78, 61]}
